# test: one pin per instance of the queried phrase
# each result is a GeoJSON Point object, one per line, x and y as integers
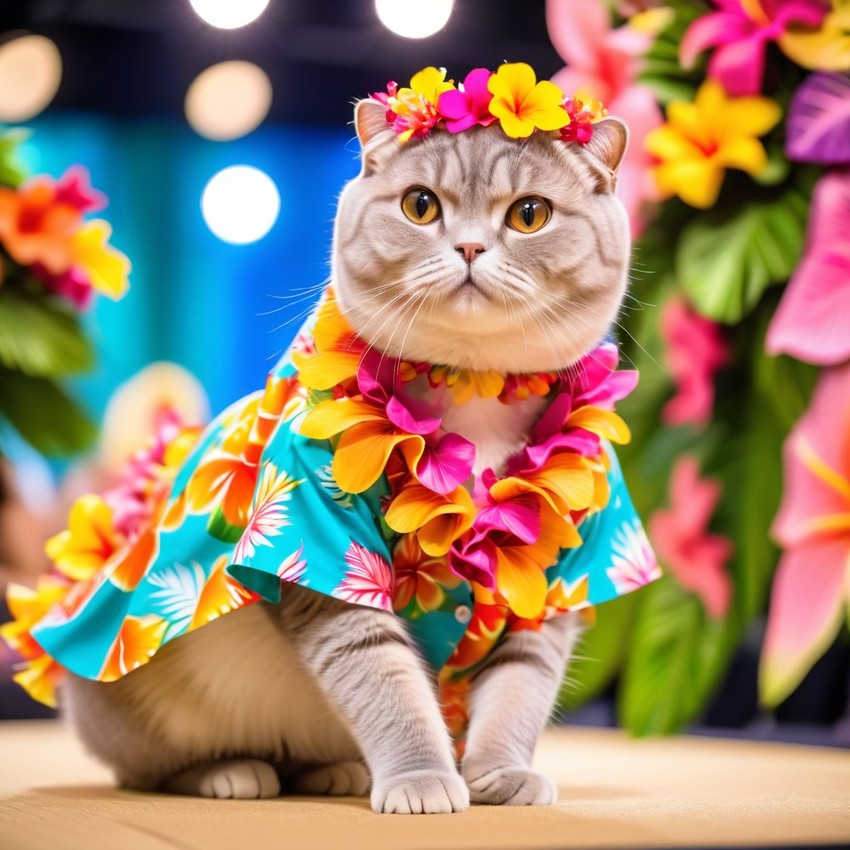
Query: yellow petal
{"type": "Point", "coordinates": [89, 540]}
{"type": "Point", "coordinates": [39, 679]}
{"type": "Point", "coordinates": [746, 154]}
{"type": "Point", "coordinates": [696, 182]}
{"type": "Point", "coordinates": [690, 125]}
{"type": "Point", "coordinates": [824, 49]}
{"type": "Point", "coordinates": [750, 116]}
{"type": "Point", "coordinates": [438, 519]}
{"type": "Point", "coordinates": [330, 417]}
{"type": "Point", "coordinates": [325, 370]}
{"type": "Point", "coordinates": [667, 143]}
{"type": "Point", "coordinates": [604, 423]}
{"type": "Point", "coordinates": [523, 584]}
{"type": "Point", "coordinates": [106, 268]}
{"type": "Point", "coordinates": [362, 454]}
{"type": "Point", "coordinates": [512, 82]}
{"type": "Point", "coordinates": [512, 124]}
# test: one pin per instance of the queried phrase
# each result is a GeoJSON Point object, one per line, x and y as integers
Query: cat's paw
{"type": "Point", "coordinates": [421, 792]}
{"type": "Point", "coordinates": [347, 778]}
{"type": "Point", "coordinates": [511, 786]}
{"type": "Point", "coordinates": [248, 779]}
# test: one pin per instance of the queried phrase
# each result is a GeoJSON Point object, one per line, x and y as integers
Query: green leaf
{"type": "Point", "coordinates": [600, 653]}
{"type": "Point", "coordinates": [12, 172]}
{"type": "Point", "coordinates": [42, 413]}
{"type": "Point", "coordinates": [677, 658]}
{"type": "Point", "coordinates": [40, 337]}
{"type": "Point", "coordinates": [221, 529]}
{"type": "Point", "coordinates": [725, 259]}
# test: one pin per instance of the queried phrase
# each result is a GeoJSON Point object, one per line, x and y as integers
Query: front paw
{"type": "Point", "coordinates": [510, 786]}
{"type": "Point", "coordinates": [421, 792]}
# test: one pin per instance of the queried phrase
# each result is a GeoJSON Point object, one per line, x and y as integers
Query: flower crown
{"type": "Point", "coordinates": [512, 95]}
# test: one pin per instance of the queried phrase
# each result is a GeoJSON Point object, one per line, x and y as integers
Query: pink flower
{"type": "Point", "coordinates": [602, 64]}
{"type": "Point", "coordinates": [368, 581]}
{"type": "Point", "coordinates": [695, 557]}
{"type": "Point", "coordinates": [809, 592]}
{"type": "Point", "coordinates": [580, 128]}
{"type": "Point", "coordinates": [812, 322]}
{"type": "Point", "coordinates": [739, 31]}
{"type": "Point", "coordinates": [695, 350]}
{"type": "Point", "coordinates": [470, 105]}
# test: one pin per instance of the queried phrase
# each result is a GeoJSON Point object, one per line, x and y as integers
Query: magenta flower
{"type": "Point", "coordinates": [469, 105]}
{"type": "Point", "coordinates": [739, 31]}
{"type": "Point", "coordinates": [602, 65]}
{"type": "Point", "coordinates": [809, 594]}
{"type": "Point", "coordinates": [812, 322]}
{"type": "Point", "coordinates": [695, 350]}
{"type": "Point", "coordinates": [694, 556]}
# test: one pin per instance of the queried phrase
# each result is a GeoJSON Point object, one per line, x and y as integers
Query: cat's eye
{"type": "Point", "coordinates": [420, 205]}
{"type": "Point", "coordinates": [528, 215]}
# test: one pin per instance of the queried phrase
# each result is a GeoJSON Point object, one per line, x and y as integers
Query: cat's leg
{"type": "Point", "coordinates": [510, 701]}
{"type": "Point", "coordinates": [346, 778]}
{"type": "Point", "coordinates": [364, 661]}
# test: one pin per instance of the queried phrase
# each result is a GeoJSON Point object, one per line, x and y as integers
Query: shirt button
{"type": "Point", "coordinates": [463, 613]}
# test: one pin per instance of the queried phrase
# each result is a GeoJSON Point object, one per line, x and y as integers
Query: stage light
{"type": "Point", "coordinates": [228, 100]}
{"type": "Point", "coordinates": [240, 204]}
{"type": "Point", "coordinates": [229, 14]}
{"type": "Point", "coordinates": [414, 18]}
{"type": "Point", "coordinates": [30, 73]}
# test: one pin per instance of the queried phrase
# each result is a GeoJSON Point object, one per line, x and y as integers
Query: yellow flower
{"type": "Point", "coordinates": [416, 107]}
{"type": "Point", "coordinates": [436, 520]}
{"type": "Point", "coordinates": [430, 83]}
{"type": "Point", "coordinates": [826, 48]}
{"type": "Point", "coordinates": [89, 541]}
{"type": "Point", "coordinates": [521, 103]}
{"type": "Point", "coordinates": [702, 139]}
{"type": "Point", "coordinates": [106, 268]}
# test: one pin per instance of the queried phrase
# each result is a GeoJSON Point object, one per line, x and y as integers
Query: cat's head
{"type": "Point", "coordinates": [478, 250]}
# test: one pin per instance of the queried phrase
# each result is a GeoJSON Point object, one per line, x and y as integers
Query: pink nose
{"type": "Point", "coordinates": [470, 250]}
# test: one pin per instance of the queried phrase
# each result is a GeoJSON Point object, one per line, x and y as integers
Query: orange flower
{"type": "Point", "coordinates": [35, 227]}
{"type": "Point", "coordinates": [135, 645]}
{"type": "Point", "coordinates": [436, 520]}
{"type": "Point", "coordinates": [89, 541]}
{"type": "Point", "coordinates": [419, 576]}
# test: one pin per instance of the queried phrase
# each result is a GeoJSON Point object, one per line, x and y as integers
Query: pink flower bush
{"type": "Point", "coordinates": [695, 350]}
{"type": "Point", "coordinates": [602, 65]}
{"type": "Point", "coordinates": [809, 594]}
{"type": "Point", "coordinates": [811, 322]}
{"type": "Point", "coordinates": [739, 32]}
{"type": "Point", "coordinates": [693, 555]}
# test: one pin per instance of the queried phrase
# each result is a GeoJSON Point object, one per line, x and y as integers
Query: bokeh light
{"type": "Point", "coordinates": [30, 73]}
{"type": "Point", "coordinates": [229, 14]}
{"type": "Point", "coordinates": [228, 100]}
{"type": "Point", "coordinates": [414, 18]}
{"type": "Point", "coordinates": [240, 204]}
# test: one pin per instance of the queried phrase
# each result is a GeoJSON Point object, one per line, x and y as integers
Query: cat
{"type": "Point", "coordinates": [316, 695]}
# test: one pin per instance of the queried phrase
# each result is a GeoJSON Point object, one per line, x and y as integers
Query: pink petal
{"type": "Point", "coordinates": [810, 13]}
{"type": "Point", "coordinates": [573, 79]}
{"type": "Point", "coordinates": [740, 66]}
{"type": "Point", "coordinates": [577, 28]}
{"type": "Point", "coordinates": [806, 611]}
{"type": "Point", "coordinates": [474, 558]}
{"type": "Point", "coordinates": [453, 104]}
{"type": "Point", "coordinates": [820, 486]}
{"type": "Point", "coordinates": [75, 190]}
{"type": "Point", "coordinates": [811, 322]}
{"type": "Point", "coordinates": [693, 498]}
{"type": "Point", "coordinates": [712, 30]}
{"type": "Point", "coordinates": [446, 465]}
{"type": "Point", "coordinates": [519, 517]}
{"type": "Point", "coordinates": [403, 416]}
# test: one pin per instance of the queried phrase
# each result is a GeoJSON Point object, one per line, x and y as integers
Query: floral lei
{"type": "Point", "coordinates": [503, 532]}
{"type": "Point", "coordinates": [512, 96]}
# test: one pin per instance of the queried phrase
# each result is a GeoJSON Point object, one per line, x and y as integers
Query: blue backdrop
{"type": "Point", "coordinates": [194, 299]}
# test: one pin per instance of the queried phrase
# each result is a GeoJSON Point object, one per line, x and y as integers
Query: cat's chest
{"type": "Point", "coordinates": [497, 430]}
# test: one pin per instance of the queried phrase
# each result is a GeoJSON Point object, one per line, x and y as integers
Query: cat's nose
{"type": "Point", "coordinates": [470, 250]}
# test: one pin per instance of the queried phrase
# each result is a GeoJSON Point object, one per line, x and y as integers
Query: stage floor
{"type": "Point", "coordinates": [614, 792]}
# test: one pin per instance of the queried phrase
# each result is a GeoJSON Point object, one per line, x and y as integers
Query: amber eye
{"type": "Point", "coordinates": [528, 215]}
{"type": "Point", "coordinates": [420, 206]}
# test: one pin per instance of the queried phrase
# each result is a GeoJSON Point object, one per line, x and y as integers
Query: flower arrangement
{"type": "Point", "coordinates": [53, 260]}
{"type": "Point", "coordinates": [512, 96]}
{"type": "Point", "coordinates": [741, 196]}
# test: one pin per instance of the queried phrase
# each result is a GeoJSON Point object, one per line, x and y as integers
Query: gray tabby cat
{"type": "Point", "coordinates": [473, 250]}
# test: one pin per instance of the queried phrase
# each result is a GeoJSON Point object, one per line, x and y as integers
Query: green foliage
{"type": "Point", "coordinates": [43, 414]}
{"type": "Point", "coordinates": [726, 258]}
{"type": "Point", "coordinates": [41, 337]}
{"type": "Point", "coordinates": [676, 658]}
{"type": "Point", "coordinates": [661, 70]}
{"type": "Point", "coordinates": [11, 170]}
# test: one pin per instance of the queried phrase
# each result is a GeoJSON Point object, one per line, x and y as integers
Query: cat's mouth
{"type": "Point", "coordinates": [468, 285]}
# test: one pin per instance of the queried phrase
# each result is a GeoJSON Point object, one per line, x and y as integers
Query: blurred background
{"type": "Point", "coordinates": [220, 133]}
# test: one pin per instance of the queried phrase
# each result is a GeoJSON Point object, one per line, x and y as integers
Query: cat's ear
{"type": "Point", "coordinates": [607, 147]}
{"type": "Point", "coordinates": [370, 122]}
